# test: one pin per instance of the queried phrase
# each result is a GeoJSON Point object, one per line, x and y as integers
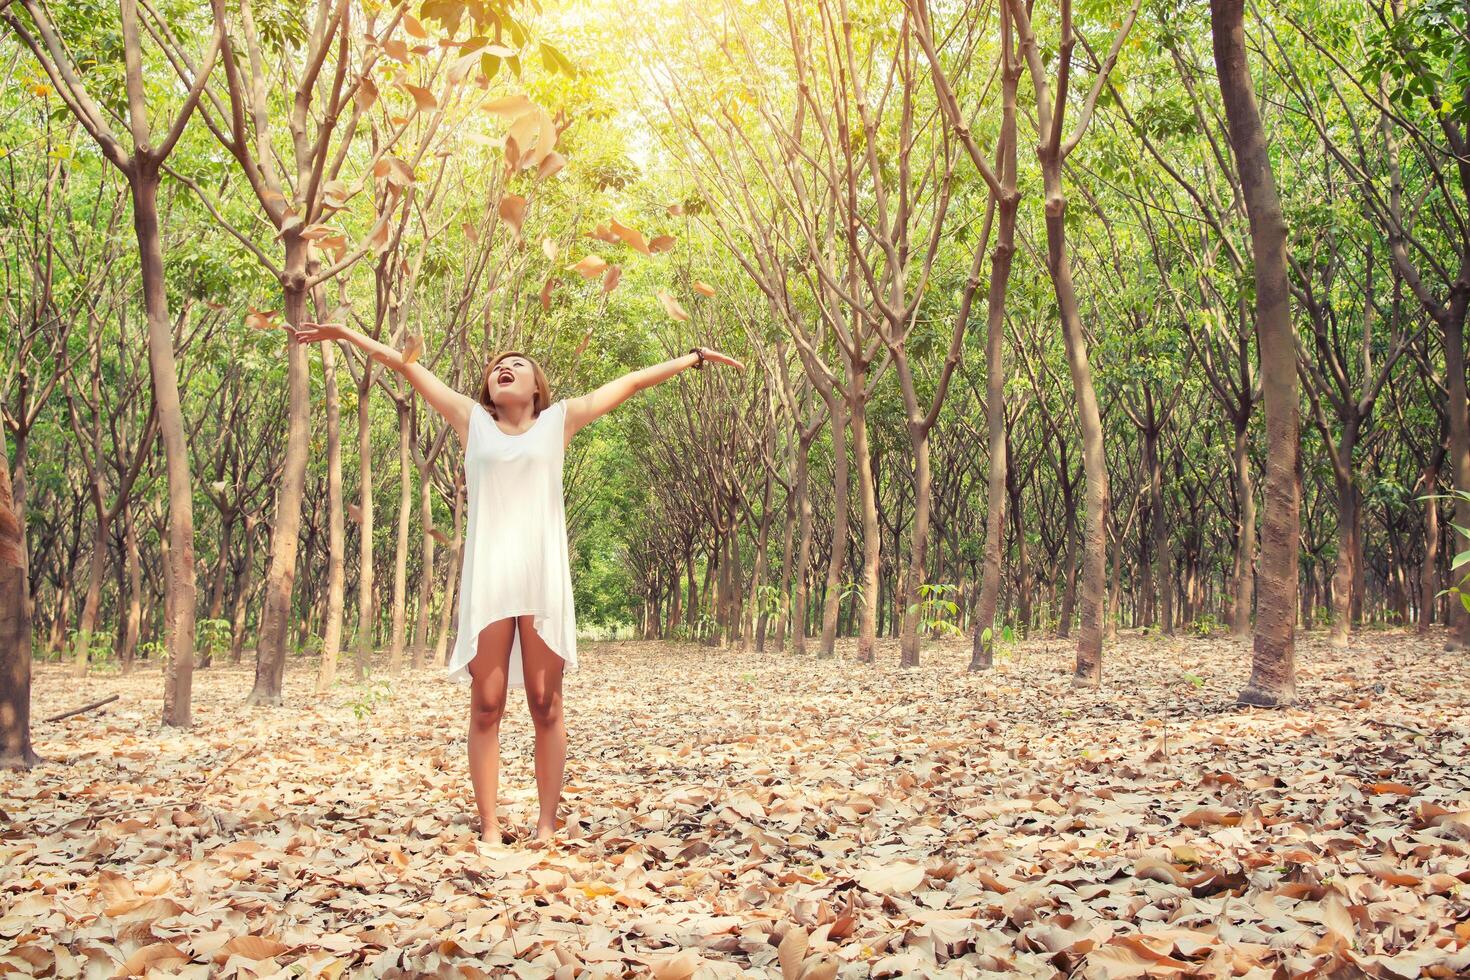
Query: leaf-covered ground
{"type": "Point", "coordinates": [758, 814]}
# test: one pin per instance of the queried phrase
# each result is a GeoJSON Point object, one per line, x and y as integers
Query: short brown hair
{"type": "Point", "coordinates": [540, 401]}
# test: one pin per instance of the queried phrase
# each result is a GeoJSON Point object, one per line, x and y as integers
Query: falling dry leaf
{"type": "Point", "coordinates": [422, 97]}
{"type": "Point", "coordinates": [590, 267]}
{"type": "Point", "coordinates": [546, 288]}
{"type": "Point", "coordinates": [611, 277]}
{"type": "Point", "coordinates": [703, 288]}
{"type": "Point", "coordinates": [413, 346]}
{"type": "Point", "coordinates": [671, 306]}
{"type": "Point", "coordinates": [513, 211]}
{"type": "Point", "coordinates": [261, 319]}
{"type": "Point", "coordinates": [661, 243]}
{"type": "Point", "coordinates": [629, 236]}
{"type": "Point", "coordinates": [548, 248]}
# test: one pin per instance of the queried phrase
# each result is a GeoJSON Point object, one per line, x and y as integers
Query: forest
{"type": "Point", "coordinates": [1104, 367]}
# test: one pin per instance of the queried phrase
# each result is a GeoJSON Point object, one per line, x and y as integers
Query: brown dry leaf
{"type": "Point", "coordinates": [413, 346]}
{"type": "Point", "coordinates": [261, 319]}
{"type": "Point", "coordinates": [471, 233]}
{"type": "Point", "coordinates": [896, 878]}
{"type": "Point", "coordinates": [366, 94]}
{"type": "Point", "coordinates": [661, 243]}
{"type": "Point", "coordinates": [703, 288]}
{"type": "Point", "coordinates": [629, 236]}
{"type": "Point", "coordinates": [590, 267]}
{"type": "Point", "coordinates": [548, 248]}
{"type": "Point", "coordinates": [792, 952]}
{"type": "Point", "coordinates": [422, 97]}
{"type": "Point", "coordinates": [317, 232]}
{"type": "Point", "coordinates": [582, 344]}
{"type": "Point", "coordinates": [675, 210]}
{"type": "Point", "coordinates": [513, 212]}
{"type": "Point", "coordinates": [611, 277]}
{"type": "Point", "coordinates": [603, 234]}
{"type": "Point", "coordinates": [413, 27]}
{"type": "Point", "coordinates": [546, 288]}
{"type": "Point", "coordinates": [380, 236]}
{"type": "Point", "coordinates": [354, 513]}
{"type": "Point", "coordinates": [438, 535]}
{"type": "Point", "coordinates": [1210, 816]}
{"type": "Point", "coordinates": [397, 49]}
{"type": "Point", "coordinates": [550, 165]}
{"type": "Point", "coordinates": [510, 107]}
{"type": "Point", "coordinates": [671, 306]}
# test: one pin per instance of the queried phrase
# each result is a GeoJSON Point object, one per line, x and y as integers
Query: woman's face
{"type": "Point", "coordinates": [513, 380]}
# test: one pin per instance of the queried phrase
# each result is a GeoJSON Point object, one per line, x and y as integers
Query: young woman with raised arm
{"type": "Point", "coordinates": [517, 625]}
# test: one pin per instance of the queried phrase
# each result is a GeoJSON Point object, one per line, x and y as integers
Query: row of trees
{"type": "Point", "coordinates": [1064, 320]}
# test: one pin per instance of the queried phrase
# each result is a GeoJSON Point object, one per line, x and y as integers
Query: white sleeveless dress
{"type": "Point", "coordinates": [515, 545]}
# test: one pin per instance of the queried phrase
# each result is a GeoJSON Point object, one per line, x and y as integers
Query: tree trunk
{"type": "Point", "coordinates": [15, 632]}
{"type": "Point", "coordinates": [1245, 540]}
{"type": "Point", "coordinates": [1088, 671]}
{"type": "Point", "coordinates": [400, 550]}
{"type": "Point", "coordinates": [872, 537]}
{"type": "Point", "coordinates": [1163, 556]}
{"type": "Point", "coordinates": [833, 590]}
{"type": "Point", "coordinates": [1273, 669]}
{"type": "Point", "coordinates": [804, 551]}
{"type": "Point", "coordinates": [982, 655]}
{"type": "Point", "coordinates": [426, 574]}
{"type": "Point", "coordinates": [88, 621]}
{"type": "Point", "coordinates": [275, 618]}
{"type": "Point", "coordinates": [1347, 556]}
{"type": "Point", "coordinates": [179, 676]}
{"type": "Point", "coordinates": [1429, 573]}
{"type": "Point", "coordinates": [365, 527]}
{"type": "Point", "coordinates": [441, 648]}
{"type": "Point", "coordinates": [133, 618]}
{"type": "Point", "coordinates": [336, 528]}
{"type": "Point", "coordinates": [918, 543]}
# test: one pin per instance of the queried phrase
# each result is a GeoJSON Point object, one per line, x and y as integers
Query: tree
{"type": "Point", "coordinates": [1273, 669]}
{"type": "Point", "coordinates": [142, 167]}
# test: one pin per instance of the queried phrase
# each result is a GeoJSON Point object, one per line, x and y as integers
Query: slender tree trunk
{"type": "Point", "coordinates": [918, 544]}
{"type": "Point", "coordinates": [982, 655]}
{"type": "Point", "coordinates": [133, 618]}
{"type": "Point", "coordinates": [15, 632]}
{"type": "Point", "coordinates": [788, 542]}
{"type": "Point", "coordinates": [804, 552]}
{"type": "Point", "coordinates": [1453, 326]}
{"type": "Point", "coordinates": [1342, 578]}
{"type": "Point", "coordinates": [452, 559]}
{"type": "Point", "coordinates": [833, 591]}
{"type": "Point", "coordinates": [1429, 573]}
{"type": "Point", "coordinates": [872, 537]}
{"type": "Point", "coordinates": [276, 618]}
{"type": "Point", "coordinates": [1273, 671]}
{"type": "Point", "coordinates": [1163, 556]}
{"type": "Point", "coordinates": [365, 604]}
{"type": "Point", "coordinates": [243, 585]}
{"type": "Point", "coordinates": [1069, 593]}
{"type": "Point", "coordinates": [336, 529]}
{"type": "Point", "coordinates": [753, 631]}
{"type": "Point", "coordinates": [1088, 671]}
{"type": "Point", "coordinates": [97, 567]}
{"type": "Point", "coordinates": [179, 678]}
{"type": "Point", "coordinates": [400, 550]}
{"type": "Point", "coordinates": [1245, 546]}
{"type": "Point", "coordinates": [426, 574]}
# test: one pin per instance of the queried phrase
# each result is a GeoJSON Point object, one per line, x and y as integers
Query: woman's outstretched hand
{"type": "Point", "coordinates": [312, 333]}
{"type": "Point", "coordinates": [718, 358]}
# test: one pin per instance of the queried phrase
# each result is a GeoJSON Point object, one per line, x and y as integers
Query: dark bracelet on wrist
{"type": "Point", "coordinates": [699, 355]}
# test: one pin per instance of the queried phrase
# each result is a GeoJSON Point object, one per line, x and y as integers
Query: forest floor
{"type": "Point", "coordinates": [761, 814]}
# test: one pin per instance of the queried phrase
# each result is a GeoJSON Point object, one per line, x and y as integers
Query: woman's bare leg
{"type": "Point", "coordinates": [487, 706]}
{"type": "Point", "coordinates": [543, 670]}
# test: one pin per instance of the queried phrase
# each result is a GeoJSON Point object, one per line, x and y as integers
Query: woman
{"type": "Point", "coordinates": [517, 624]}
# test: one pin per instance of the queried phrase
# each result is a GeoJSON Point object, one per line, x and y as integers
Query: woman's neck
{"type": "Point", "coordinates": [517, 415]}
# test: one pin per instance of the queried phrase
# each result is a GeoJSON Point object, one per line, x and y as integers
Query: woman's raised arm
{"type": "Point", "coordinates": [588, 408]}
{"type": "Point", "coordinates": [455, 407]}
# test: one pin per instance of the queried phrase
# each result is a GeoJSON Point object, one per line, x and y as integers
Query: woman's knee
{"type": "Point", "coordinates": [486, 712]}
{"type": "Point", "coordinates": [545, 705]}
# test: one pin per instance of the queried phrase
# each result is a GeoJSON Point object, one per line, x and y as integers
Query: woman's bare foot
{"type": "Point", "coordinates": [545, 830]}
{"type": "Point", "coordinates": [493, 834]}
